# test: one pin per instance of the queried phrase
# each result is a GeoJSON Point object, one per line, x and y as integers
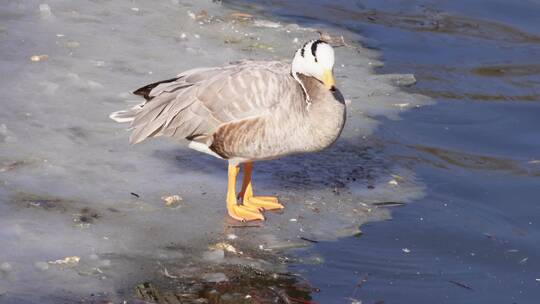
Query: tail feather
{"type": "Point", "coordinates": [145, 91]}
{"type": "Point", "coordinates": [126, 115]}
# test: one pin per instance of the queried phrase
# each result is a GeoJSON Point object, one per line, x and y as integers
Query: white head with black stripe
{"type": "Point", "coordinates": [315, 59]}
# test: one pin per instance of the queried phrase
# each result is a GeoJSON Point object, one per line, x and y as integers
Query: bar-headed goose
{"type": "Point", "coordinates": [246, 112]}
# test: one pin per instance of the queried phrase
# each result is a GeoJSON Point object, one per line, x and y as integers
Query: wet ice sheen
{"type": "Point", "coordinates": [67, 171]}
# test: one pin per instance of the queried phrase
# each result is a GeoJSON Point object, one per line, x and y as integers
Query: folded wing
{"type": "Point", "coordinates": [197, 102]}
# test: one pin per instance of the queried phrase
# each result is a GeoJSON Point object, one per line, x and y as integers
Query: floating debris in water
{"type": "Point", "coordinates": [11, 165]}
{"type": "Point", "coordinates": [225, 246]}
{"type": "Point", "coordinates": [401, 80]}
{"type": "Point", "coordinates": [228, 284]}
{"type": "Point", "coordinates": [308, 240]}
{"type": "Point", "coordinates": [148, 292]}
{"type": "Point", "coordinates": [363, 279]}
{"type": "Point", "coordinates": [202, 14]}
{"type": "Point", "coordinates": [388, 204]}
{"type": "Point", "coordinates": [461, 285]}
{"type": "Point", "coordinates": [402, 105]}
{"type": "Point", "coordinates": [232, 41]}
{"type": "Point", "coordinates": [489, 235]}
{"type": "Point", "coordinates": [406, 250]}
{"type": "Point", "coordinates": [335, 41]}
{"type": "Point", "coordinates": [166, 272]}
{"type": "Point", "coordinates": [171, 200]}
{"type": "Point", "coordinates": [244, 226]}
{"type": "Point", "coordinates": [68, 261]}
{"type": "Point", "coordinates": [86, 217]}
{"type": "Point", "coordinates": [241, 16]}
{"type": "Point", "coordinates": [37, 58]}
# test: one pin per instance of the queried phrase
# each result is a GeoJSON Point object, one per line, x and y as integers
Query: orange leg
{"type": "Point", "coordinates": [256, 202]}
{"type": "Point", "coordinates": [239, 212]}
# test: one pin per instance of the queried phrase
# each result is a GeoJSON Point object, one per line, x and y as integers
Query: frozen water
{"type": "Point", "coordinates": [6, 267]}
{"type": "Point", "coordinates": [215, 277]}
{"type": "Point", "coordinates": [71, 185]}
{"type": "Point", "coordinates": [45, 11]}
{"type": "Point", "coordinates": [214, 255]}
{"type": "Point", "coordinates": [6, 135]}
{"type": "Point", "coordinates": [41, 265]}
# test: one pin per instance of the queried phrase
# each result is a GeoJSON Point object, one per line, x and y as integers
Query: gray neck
{"type": "Point", "coordinates": [326, 114]}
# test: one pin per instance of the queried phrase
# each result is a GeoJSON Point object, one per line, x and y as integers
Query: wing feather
{"type": "Point", "coordinates": [201, 100]}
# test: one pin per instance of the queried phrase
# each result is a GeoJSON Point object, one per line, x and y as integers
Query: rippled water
{"type": "Point", "coordinates": [475, 237]}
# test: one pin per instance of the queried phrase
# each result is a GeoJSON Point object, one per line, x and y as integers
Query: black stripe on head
{"type": "Point", "coordinates": [314, 48]}
{"type": "Point", "coordinates": [303, 49]}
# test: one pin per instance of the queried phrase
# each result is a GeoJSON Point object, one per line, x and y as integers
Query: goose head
{"type": "Point", "coordinates": [315, 59]}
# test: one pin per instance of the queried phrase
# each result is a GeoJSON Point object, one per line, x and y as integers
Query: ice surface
{"type": "Point", "coordinates": [71, 185]}
{"type": "Point", "coordinates": [215, 277]}
{"type": "Point", "coordinates": [45, 11]}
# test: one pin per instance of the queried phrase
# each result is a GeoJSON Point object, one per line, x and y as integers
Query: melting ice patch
{"type": "Point", "coordinates": [71, 186]}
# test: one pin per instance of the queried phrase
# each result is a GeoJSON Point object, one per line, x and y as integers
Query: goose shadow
{"type": "Point", "coordinates": [345, 164]}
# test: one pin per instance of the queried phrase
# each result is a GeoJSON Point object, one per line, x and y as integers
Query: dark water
{"type": "Point", "coordinates": [475, 237]}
